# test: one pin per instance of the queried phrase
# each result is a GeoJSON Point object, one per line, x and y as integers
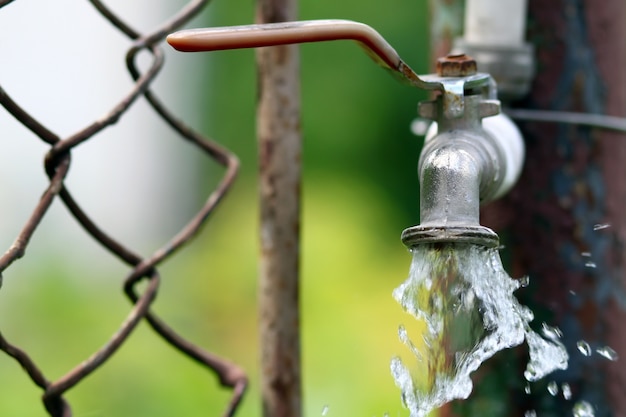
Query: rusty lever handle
{"type": "Point", "coordinates": [273, 34]}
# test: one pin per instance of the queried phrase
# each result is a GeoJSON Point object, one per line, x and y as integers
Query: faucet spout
{"type": "Point", "coordinates": [453, 169]}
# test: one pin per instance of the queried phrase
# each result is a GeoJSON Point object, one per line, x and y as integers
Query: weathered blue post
{"type": "Point", "coordinates": [564, 224]}
{"type": "Point", "coordinates": [566, 218]}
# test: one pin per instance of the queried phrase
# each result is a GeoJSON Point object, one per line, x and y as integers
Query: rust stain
{"type": "Point", "coordinates": [266, 151]}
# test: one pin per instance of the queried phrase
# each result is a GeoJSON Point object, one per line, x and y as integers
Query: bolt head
{"type": "Point", "coordinates": [459, 65]}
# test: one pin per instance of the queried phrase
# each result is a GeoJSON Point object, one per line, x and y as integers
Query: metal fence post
{"type": "Point", "coordinates": [278, 132]}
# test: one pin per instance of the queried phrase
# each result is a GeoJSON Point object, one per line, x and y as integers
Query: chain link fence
{"type": "Point", "coordinates": [57, 162]}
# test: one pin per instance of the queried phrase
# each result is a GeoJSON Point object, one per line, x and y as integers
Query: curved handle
{"type": "Point", "coordinates": [284, 33]}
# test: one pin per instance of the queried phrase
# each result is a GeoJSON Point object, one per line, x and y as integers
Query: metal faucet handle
{"type": "Point", "coordinates": [273, 34]}
{"type": "Point", "coordinates": [285, 33]}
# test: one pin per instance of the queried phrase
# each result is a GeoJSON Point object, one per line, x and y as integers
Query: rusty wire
{"type": "Point", "coordinates": [57, 163]}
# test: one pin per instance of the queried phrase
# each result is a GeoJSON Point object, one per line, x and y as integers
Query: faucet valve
{"type": "Point", "coordinates": [457, 76]}
{"type": "Point", "coordinates": [461, 165]}
{"type": "Point", "coordinates": [463, 162]}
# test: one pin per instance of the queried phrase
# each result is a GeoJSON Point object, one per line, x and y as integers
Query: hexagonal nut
{"type": "Point", "coordinates": [460, 65]}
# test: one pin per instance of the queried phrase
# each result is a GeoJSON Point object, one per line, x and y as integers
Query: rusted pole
{"type": "Point", "coordinates": [573, 185]}
{"type": "Point", "coordinates": [579, 272]}
{"type": "Point", "coordinates": [553, 222]}
{"type": "Point", "coordinates": [279, 139]}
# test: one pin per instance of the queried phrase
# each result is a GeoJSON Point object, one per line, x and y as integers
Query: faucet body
{"type": "Point", "coordinates": [458, 168]}
{"type": "Point", "coordinates": [462, 165]}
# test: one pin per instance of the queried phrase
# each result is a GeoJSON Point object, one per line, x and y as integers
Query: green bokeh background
{"type": "Point", "coordinates": [359, 192]}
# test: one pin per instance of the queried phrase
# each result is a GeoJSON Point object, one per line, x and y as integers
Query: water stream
{"type": "Point", "coordinates": [465, 299]}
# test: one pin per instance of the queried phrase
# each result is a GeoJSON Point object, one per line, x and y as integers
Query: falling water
{"type": "Point", "coordinates": [465, 299]}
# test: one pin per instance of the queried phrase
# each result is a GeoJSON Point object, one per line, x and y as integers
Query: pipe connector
{"type": "Point", "coordinates": [494, 36]}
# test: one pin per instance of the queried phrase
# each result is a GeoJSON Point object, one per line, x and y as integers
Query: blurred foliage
{"type": "Point", "coordinates": [360, 190]}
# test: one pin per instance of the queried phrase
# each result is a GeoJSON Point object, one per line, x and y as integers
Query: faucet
{"type": "Point", "coordinates": [464, 162]}
{"type": "Point", "coordinates": [468, 157]}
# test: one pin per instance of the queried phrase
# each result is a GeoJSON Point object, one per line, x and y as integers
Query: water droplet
{"type": "Point", "coordinates": [530, 413]}
{"type": "Point", "coordinates": [552, 333]}
{"type": "Point", "coordinates": [325, 410]}
{"type": "Point", "coordinates": [524, 281]}
{"type": "Point", "coordinates": [553, 388]}
{"type": "Point", "coordinates": [607, 352]}
{"type": "Point", "coordinates": [420, 126]}
{"type": "Point", "coordinates": [583, 409]}
{"type": "Point", "coordinates": [567, 391]}
{"type": "Point", "coordinates": [402, 333]}
{"type": "Point", "coordinates": [586, 254]}
{"type": "Point", "coordinates": [584, 347]}
{"type": "Point", "coordinates": [601, 226]}
{"type": "Point", "coordinates": [527, 389]}
{"type": "Point", "coordinates": [590, 264]}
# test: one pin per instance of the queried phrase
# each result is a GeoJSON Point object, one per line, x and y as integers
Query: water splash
{"type": "Point", "coordinates": [545, 356]}
{"type": "Point", "coordinates": [465, 299]}
{"type": "Point", "coordinates": [552, 333]}
{"type": "Point", "coordinates": [524, 281]}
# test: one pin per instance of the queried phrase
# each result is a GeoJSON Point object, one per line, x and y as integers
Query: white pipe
{"type": "Point", "coordinates": [495, 22]}
{"type": "Point", "coordinates": [512, 146]}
